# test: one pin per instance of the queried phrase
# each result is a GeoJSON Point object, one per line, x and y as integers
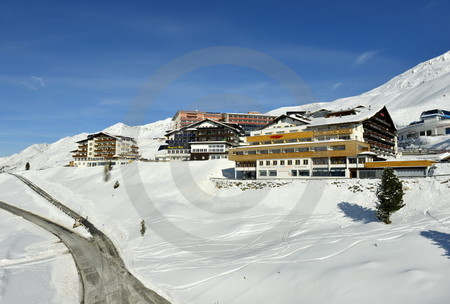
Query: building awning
{"type": "Point", "coordinates": [399, 164]}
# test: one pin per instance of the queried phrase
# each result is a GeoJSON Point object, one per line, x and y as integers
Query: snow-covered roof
{"type": "Point", "coordinates": [193, 126]}
{"type": "Point", "coordinates": [360, 115]}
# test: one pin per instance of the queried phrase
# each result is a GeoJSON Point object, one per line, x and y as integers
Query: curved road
{"type": "Point", "coordinates": [104, 278]}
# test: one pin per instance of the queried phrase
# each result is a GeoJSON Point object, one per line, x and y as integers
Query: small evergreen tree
{"type": "Point", "coordinates": [27, 166]}
{"type": "Point", "coordinates": [143, 229]}
{"type": "Point", "coordinates": [106, 171]}
{"type": "Point", "coordinates": [390, 195]}
{"type": "Point", "coordinates": [116, 185]}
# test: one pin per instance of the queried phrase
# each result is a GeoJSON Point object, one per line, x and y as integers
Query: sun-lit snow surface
{"type": "Point", "coordinates": [34, 266]}
{"type": "Point", "coordinates": [424, 87]}
{"type": "Point", "coordinates": [308, 241]}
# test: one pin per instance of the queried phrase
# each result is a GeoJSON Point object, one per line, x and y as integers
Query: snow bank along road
{"type": "Point", "coordinates": [104, 278]}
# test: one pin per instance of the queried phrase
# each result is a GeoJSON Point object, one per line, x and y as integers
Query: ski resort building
{"type": "Point", "coordinates": [102, 148]}
{"type": "Point", "coordinates": [248, 121]}
{"type": "Point", "coordinates": [207, 139]}
{"type": "Point", "coordinates": [317, 144]}
{"type": "Point", "coordinates": [432, 123]}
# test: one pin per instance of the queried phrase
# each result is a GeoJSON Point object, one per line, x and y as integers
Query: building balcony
{"type": "Point", "coordinates": [105, 139]}
{"type": "Point", "coordinates": [79, 155]}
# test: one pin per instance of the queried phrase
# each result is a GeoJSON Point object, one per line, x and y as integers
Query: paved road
{"type": "Point", "coordinates": [104, 277]}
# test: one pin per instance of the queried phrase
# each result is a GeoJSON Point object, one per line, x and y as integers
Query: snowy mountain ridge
{"type": "Point", "coordinates": [42, 156]}
{"type": "Point", "coordinates": [424, 87]}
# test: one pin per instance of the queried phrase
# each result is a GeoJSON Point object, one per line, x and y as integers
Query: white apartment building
{"type": "Point", "coordinates": [432, 123]}
{"type": "Point", "coordinates": [102, 148]}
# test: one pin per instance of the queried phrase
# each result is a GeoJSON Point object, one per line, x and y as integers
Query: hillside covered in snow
{"type": "Point", "coordinates": [315, 241]}
{"type": "Point", "coordinates": [424, 87]}
{"type": "Point", "coordinates": [57, 154]}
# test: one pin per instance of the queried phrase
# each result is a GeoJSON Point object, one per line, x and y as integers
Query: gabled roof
{"type": "Point", "coordinates": [296, 117]}
{"type": "Point", "coordinates": [236, 127]}
{"type": "Point", "coordinates": [90, 136]}
{"type": "Point", "coordinates": [360, 116]}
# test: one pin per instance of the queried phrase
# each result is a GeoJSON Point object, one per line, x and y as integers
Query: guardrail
{"type": "Point", "coordinates": [74, 215]}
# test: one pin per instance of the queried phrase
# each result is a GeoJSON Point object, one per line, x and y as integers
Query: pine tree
{"type": "Point", "coordinates": [27, 166]}
{"type": "Point", "coordinates": [106, 171]}
{"type": "Point", "coordinates": [143, 229]}
{"type": "Point", "coordinates": [390, 195]}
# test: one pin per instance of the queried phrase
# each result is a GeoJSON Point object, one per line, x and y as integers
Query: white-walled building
{"type": "Point", "coordinates": [432, 123]}
{"type": "Point", "coordinates": [101, 148]}
{"type": "Point", "coordinates": [323, 143]}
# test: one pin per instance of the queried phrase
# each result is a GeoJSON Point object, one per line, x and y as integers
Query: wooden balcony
{"type": "Point", "coordinates": [79, 155]}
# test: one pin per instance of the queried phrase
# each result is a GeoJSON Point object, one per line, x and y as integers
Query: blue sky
{"type": "Point", "coordinates": [68, 67]}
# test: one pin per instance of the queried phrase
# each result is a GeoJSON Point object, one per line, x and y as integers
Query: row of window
{"type": "Point", "coordinates": [305, 139]}
{"type": "Point", "coordinates": [283, 162]}
{"type": "Point", "coordinates": [208, 150]}
{"type": "Point", "coordinates": [291, 150]}
{"type": "Point", "coordinates": [178, 151]}
{"type": "Point", "coordinates": [296, 173]}
{"type": "Point", "coordinates": [315, 161]}
{"type": "Point", "coordinates": [219, 156]}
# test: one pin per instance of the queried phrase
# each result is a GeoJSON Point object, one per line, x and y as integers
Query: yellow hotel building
{"type": "Point", "coordinates": [318, 144]}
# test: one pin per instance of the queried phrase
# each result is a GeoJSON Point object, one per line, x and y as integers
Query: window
{"type": "Point", "coordinates": [352, 160]}
{"type": "Point", "coordinates": [293, 172]}
{"type": "Point", "coordinates": [297, 162]}
{"type": "Point", "coordinates": [320, 161]}
{"type": "Point", "coordinates": [335, 148]}
{"type": "Point", "coordinates": [302, 149]}
{"type": "Point", "coordinates": [289, 162]}
{"type": "Point", "coordinates": [275, 163]}
{"type": "Point", "coordinates": [337, 172]}
{"type": "Point", "coordinates": [303, 172]}
{"type": "Point", "coordinates": [428, 132]}
{"type": "Point", "coordinates": [262, 172]}
{"type": "Point", "coordinates": [272, 172]}
{"type": "Point", "coordinates": [321, 172]}
{"type": "Point", "coordinates": [282, 162]}
{"type": "Point", "coordinates": [337, 160]}
{"type": "Point", "coordinates": [276, 151]}
{"type": "Point", "coordinates": [261, 163]}
{"type": "Point", "coordinates": [320, 148]}
{"type": "Point", "coordinates": [267, 162]}
{"type": "Point", "coordinates": [290, 150]}
{"type": "Point", "coordinates": [263, 151]}
{"type": "Point", "coordinates": [305, 161]}
{"type": "Point", "coordinates": [361, 160]}
{"type": "Point", "coordinates": [306, 139]}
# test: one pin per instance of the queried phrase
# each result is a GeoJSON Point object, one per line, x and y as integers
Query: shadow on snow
{"type": "Point", "coordinates": [358, 213]}
{"type": "Point", "coordinates": [440, 239]}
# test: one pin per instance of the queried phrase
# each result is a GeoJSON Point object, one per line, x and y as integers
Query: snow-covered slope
{"type": "Point", "coordinates": [303, 242]}
{"type": "Point", "coordinates": [424, 87]}
{"type": "Point", "coordinates": [149, 137]}
{"type": "Point", "coordinates": [41, 156]}
{"type": "Point", "coordinates": [57, 154]}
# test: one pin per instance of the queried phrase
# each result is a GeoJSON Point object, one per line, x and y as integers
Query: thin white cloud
{"type": "Point", "coordinates": [29, 85]}
{"type": "Point", "coordinates": [35, 83]}
{"type": "Point", "coordinates": [336, 86]}
{"type": "Point", "coordinates": [38, 80]}
{"type": "Point", "coordinates": [366, 56]}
